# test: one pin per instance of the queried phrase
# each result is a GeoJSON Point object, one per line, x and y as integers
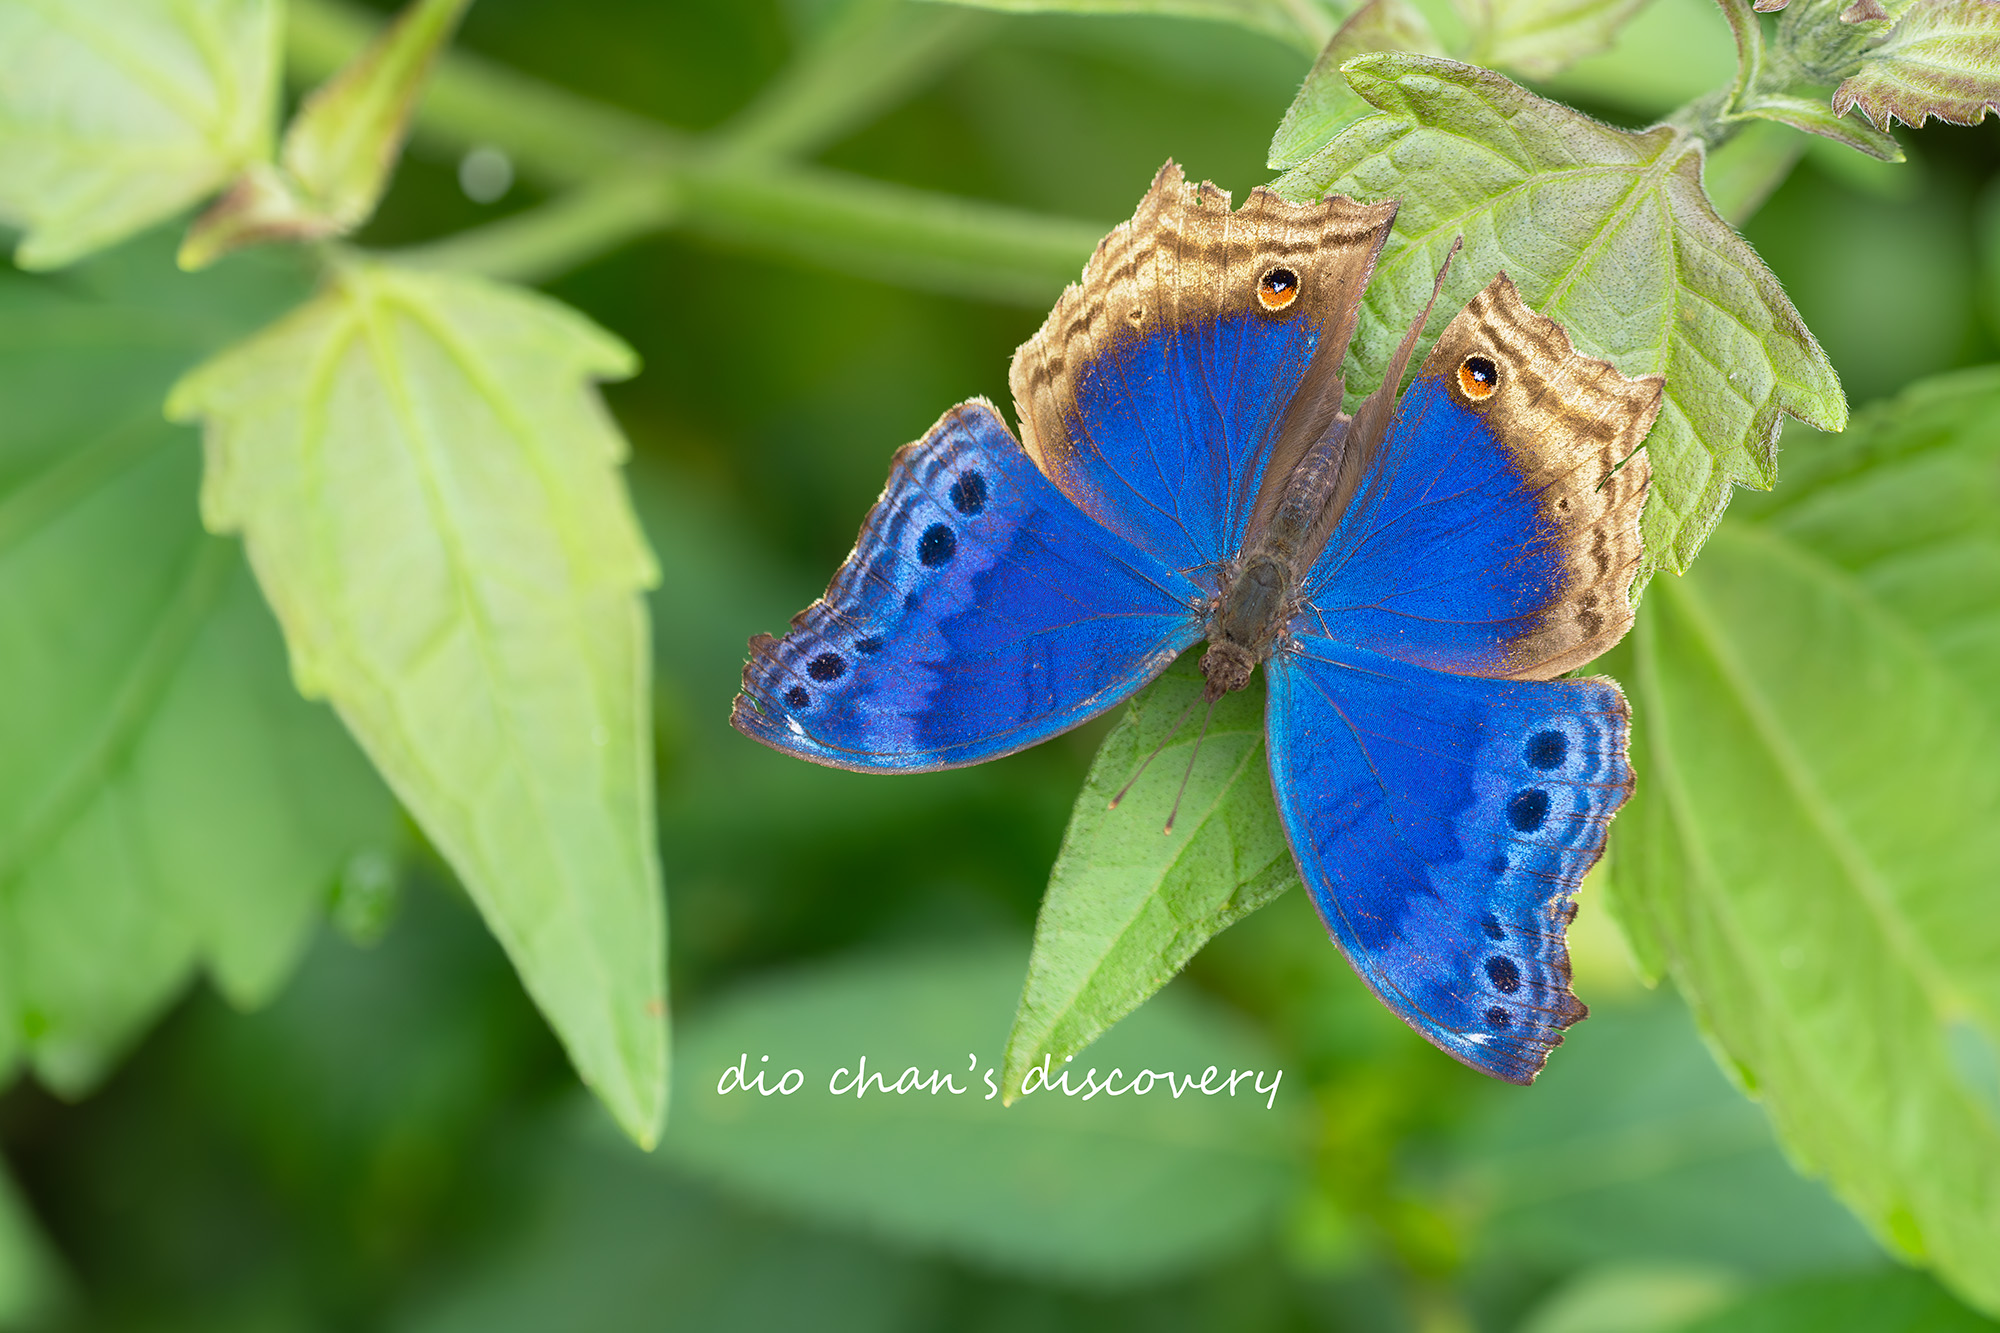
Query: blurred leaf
{"type": "Point", "coordinates": [115, 114]}
{"type": "Point", "coordinates": [1671, 53]}
{"type": "Point", "coordinates": [339, 149]}
{"type": "Point", "coordinates": [1127, 905]}
{"type": "Point", "coordinates": [1305, 24]}
{"type": "Point", "coordinates": [613, 1247]}
{"type": "Point", "coordinates": [167, 798]}
{"type": "Point", "coordinates": [1881, 1303]}
{"type": "Point", "coordinates": [1326, 105]}
{"type": "Point", "coordinates": [1117, 1188]}
{"type": "Point", "coordinates": [1541, 38]}
{"type": "Point", "coordinates": [1815, 117]}
{"type": "Point", "coordinates": [1812, 847]}
{"type": "Point", "coordinates": [1941, 59]}
{"type": "Point", "coordinates": [1605, 230]}
{"type": "Point", "coordinates": [32, 1282]}
{"type": "Point", "coordinates": [1739, 176]}
{"type": "Point", "coordinates": [430, 495]}
{"type": "Point", "coordinates": [1631, 1298]}
{"type": "Point", "coordinates": [1633, 1148]}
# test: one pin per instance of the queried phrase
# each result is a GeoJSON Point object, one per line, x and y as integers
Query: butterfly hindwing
{"type": "Point", "coordinates": [1164, 382]}
{"type": "Point", "coordinates": [1495, 532]}
{"type": "Point", "coordinates": [1442, 824]}
{"type": "Point", "coordinates": [980, 612]}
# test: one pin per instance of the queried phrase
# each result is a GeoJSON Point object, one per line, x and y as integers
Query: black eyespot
{"type": "Point", "coordinates": [1504, 975]}
{"type": "Point", "coordinates": [827, 666]}
{"type": "Point", "coordinates": [1278, 289]}
{"type": "Point", "coordinates": [1478, 378]}
{"type": "Point", "coordinates": [1491, 923]}
{"type": "Point", "coordinates": [1548, 749]}
{"type": "Point", "coordinates": [1499, 865]}
{"type": "Point", "coordinates": [1527, 811]}
{"type": "Point", "coordinates": [797, 696]}
{"type": "Point", "coordinates": [1498, 1017]}
{"type": "Point", "coordinates": [968, 493]}
{"type": "Point", "coordinates": [869, 646]}
{"type": "Point", "coordinates": [937, 546]}
{"type": "Point", "coordinates": [911, 601]}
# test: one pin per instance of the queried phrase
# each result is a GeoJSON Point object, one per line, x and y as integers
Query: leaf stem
{"type": "Point", "coordinates": [614, 159]}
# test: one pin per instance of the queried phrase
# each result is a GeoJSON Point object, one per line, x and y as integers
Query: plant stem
{"type": "Point", "coordinates": [613, 158]}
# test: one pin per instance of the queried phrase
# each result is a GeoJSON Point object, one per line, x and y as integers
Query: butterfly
{"type": "Point", "coordinates": [1413, 578]}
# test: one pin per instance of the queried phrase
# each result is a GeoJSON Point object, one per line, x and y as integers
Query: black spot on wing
{"type": "Point", "coordinates": [937, 546]}
{"type": "Point", "coordinates": [1528, 810]}
{"type": "Point", "coordinates": [797, 696]}
{"type": "Point", "coordinates": [827, 666]}
{"type": "Point", "coordinates": [1548, 749]}
{"type": "Point", "coordinates": [968, 493]}
{"type": "Point", "coordinates": [1504, 973]}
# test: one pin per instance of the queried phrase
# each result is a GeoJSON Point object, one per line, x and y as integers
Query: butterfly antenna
{"type": "Point", "coordinates": [1172, 731]}
{"type": "Point", "coordinates": [1175, 813]}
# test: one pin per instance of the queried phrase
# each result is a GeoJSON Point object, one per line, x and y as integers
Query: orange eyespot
{"type": "Point", "coordinates": [1478, 378]}
{"type": "Point", "coordinates": [1278, 288]}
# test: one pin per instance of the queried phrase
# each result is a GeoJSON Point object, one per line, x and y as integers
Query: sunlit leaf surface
{"type": "Point", "coordinates": [1603, 229]}
{"type": "Point", "coordinates": [115, 114]}
{"type": "Point", "coordinates": [1941, 59]}
{"type": "Point", "coordinates": [429, 489]}
{"type": "Point", "coordinates": [1813, 848]}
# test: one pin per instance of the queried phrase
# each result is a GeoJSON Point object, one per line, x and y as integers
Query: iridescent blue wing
{"type": "Point", "coordinates": [1200, 348]}
{"type": "Point", "coordinates": [1442, 824]}
{"type": "Point", "coordinates": [979, 613]}
{"type": "Point", "coordinates": [1443, 795]}
{"type": "Point", "coordinates": [1494, 531]}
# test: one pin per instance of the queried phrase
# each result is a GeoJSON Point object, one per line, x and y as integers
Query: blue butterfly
{"type": "Point", "coordinates": [1411, 577]}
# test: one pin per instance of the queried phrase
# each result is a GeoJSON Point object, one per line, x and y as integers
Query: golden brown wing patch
{"type": "Point", "coordinates": [1571, 424]}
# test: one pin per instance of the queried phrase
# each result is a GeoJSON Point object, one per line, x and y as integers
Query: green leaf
{"type": "Point", "coordinates": [168, 801]}
{"type": "Point", "coordinates": [339, 149]}
{"type": "Point", "coordinates": [1116, 1188]}
{"type": "Point", "coordinates": [1542, 38]}
{"type": "Point", "coordinates": [1803, 113]}
{"type": "Point", "coordinates": [1634, 1147]}
{"type": "Point", "coordinates": [115, 114]}
{"type": "Point", "coordinates": [429, 491]}
{"type": "Point", "coordinates": [1739, 176]}
{"type": "Point", "coordinates": [1811, 850]}
{"type": "Point", "coordinates": [1895, 1300]}
{"type": "Point", "coordinates": [1941, 59]}
{"type": "Point", "coordinates": [1604, 230]}
{"type": "Point", "coordinates": [1301, 23]}
{"type": "Point", "coordinates": [32, 1282]}
{"type": "Point", "coordinates": [1326, 105]}
{"type": "Point", "coordinates": [1127, 905]}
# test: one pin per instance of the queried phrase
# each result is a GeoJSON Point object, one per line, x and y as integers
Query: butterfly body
{"type": "Point", "coordinates": [1411, 577]}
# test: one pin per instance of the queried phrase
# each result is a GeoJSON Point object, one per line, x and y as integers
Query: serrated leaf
{"type": "Point", "coordinates": [168, 801]}
{"type": "Point", "coordinates": [1542, 38]}
{"type": "Point", "coordinates": [1602, 229]}
{"type": "Point", "coordinates": [1941, 59]}
{"type": "Point", "coordinates": [429, 491]}
{"type": "Point", "coordinates": [1812, 847]}
{"type": "Point", "coordinates": [1128, 905]}
{"type": "Point", "coordinates": [1119, 1187]}
{"type": "Point", "coordinates": [115, 114]}
{"type": "Point", "coordinates": [1302, 23]}
{"type": "Point", "coordinates": [1803, 113]}
{"type": "Point", "coordinates": [339, 149]}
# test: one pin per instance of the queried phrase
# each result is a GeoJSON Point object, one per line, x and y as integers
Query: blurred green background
{"type": "Point", "coordinates": [397, 1143]}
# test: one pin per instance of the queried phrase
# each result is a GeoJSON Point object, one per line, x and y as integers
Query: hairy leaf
{"type": "Point", "coordinates": [1301, 23]}
{"type": "Point", "coordinates": [1119, 1187]}
{"type": "Point", "coordinates": [1128, 905]}
{"type": "Point", "coordinates": [1803, 113]}
{"type": "Point", "coordinates": [167, 801]}
{"type": "Point", "coordinates": [429, 491]}
{"type": "Point", "coordinates": [115, 114]}
{"type": "Point", "coordinates": [339, 149]}
{"type": "Point", "coordinates": [1541, 38]}
{"type": "Point", "coordinates": [1326, 105]}
{"type": "Point", "coordinates": [1812, 848]}
{"type": "Point", "coordinates": [1941, 59]}
{"type": "Point", "coordinates": [1603, 229]}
